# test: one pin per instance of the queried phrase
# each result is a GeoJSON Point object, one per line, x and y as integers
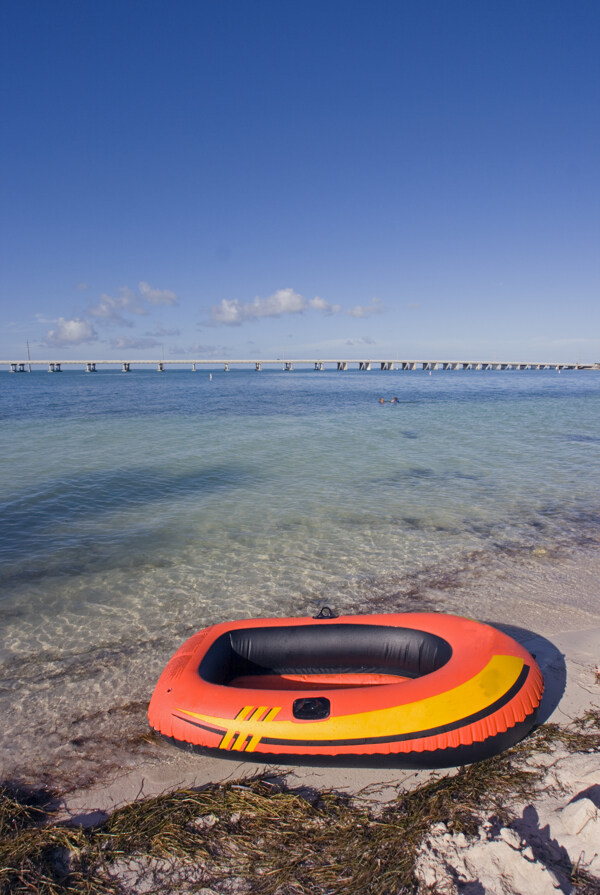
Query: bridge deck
{"type": "Point", "coordinates": [56, 365]}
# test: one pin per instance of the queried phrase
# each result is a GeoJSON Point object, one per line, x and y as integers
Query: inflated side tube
{"type": "Point", "coordinates": [425, 689]}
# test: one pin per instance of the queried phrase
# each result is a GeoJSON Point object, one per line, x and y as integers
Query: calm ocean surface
{"type": "Point", "coordinates": [135, 509]}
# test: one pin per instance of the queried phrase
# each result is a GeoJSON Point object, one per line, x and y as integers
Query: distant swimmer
{"type": "Point", "coordinates": [381, 401]}
{"type": "Point", "coordinates": [394, 401]}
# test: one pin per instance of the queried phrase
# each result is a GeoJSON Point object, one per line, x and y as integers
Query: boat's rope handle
{"type": "Point", "coordinates": [325, 612]}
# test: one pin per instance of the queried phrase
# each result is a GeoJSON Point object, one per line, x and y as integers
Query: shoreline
{"type": "Point", "coordinates": [550, 592]}
{"type": "Point", "coordinates": [556, 828]}
{"type": "Point", "coordinates": [81, 716]}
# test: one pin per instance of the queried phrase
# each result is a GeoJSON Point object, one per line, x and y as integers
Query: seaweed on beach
{"type": "Point", "coordinates": [39, 856]}
{"type": "Point", "coordinates": [266, 837]}
{"type": "Point", "coordinates": [581, 735]}
{"type": "Point", "coordinates": [259, 835]}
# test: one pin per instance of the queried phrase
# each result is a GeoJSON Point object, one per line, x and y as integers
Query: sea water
{"type": "Point", "coordinates": [137, 508]}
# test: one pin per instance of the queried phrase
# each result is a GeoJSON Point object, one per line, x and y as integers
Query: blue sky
{"type": "Point", "coordinates": [314, 179]}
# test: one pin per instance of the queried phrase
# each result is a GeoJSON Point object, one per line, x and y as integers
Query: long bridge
{"type": "Point", "coordinates": [92, 366]}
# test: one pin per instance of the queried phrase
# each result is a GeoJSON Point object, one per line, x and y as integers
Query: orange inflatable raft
{"type": "Point", "coordinates": [422, 689]}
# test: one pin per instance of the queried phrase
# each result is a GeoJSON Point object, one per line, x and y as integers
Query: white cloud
{"type": "Point", "coordinates": [319, 304]}
{"type": "Point", "coordinates": [157, 296]}
{"type": "Point", "coordinates": [71, 332]}
{"type": "Point", "coordinates": [375, 306]}
{"type": "Point", "coordinates": [230, 313]}
{"type": "Point", "coordinates": [233, 312]}
{"type": "Point", "coordinates": [128, 301]}
{"type": "Point", "coordinates": [284, 301]}
{"type": "Point", "coordinates": [110, 309]}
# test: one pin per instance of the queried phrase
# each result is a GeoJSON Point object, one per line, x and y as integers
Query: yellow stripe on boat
{"type": "Point", "coordinates": [468, 698]}
{"type": "Point", "coordinates": [226, 739]}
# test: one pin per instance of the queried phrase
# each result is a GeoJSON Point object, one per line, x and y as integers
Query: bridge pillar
{"type": "Point", "coordinates": [318, 365]}
{"type": "Point", "coordinates": [226, 368]}
{"type": "Point", "coordinates": [161, 367]}
{"type": "Point", "coordinates": [90, 367]}
{"type": "Point", "coordinates": [54, 368]}
{"type": "Point", "coordinates": [288, 367]}
{"type": "Point", "coordinates": [193, 368]}
{"type": "Point", "coordinates": [387, 365]}
{"type": "Point", "coordinates": [364, 365]}
{"type": "Point", "coordinates": [342, 365]}
{"type": "Point", "coordinates": [126, 368]}
{"type": "Point", "coordinates": [258, 366]}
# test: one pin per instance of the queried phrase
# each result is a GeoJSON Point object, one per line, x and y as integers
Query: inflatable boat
{"type": "Point", "coordinates": [421, 689]}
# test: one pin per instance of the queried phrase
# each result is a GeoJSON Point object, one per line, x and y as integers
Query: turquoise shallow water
{"type": "Point", "coordinates": [137, 508]}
